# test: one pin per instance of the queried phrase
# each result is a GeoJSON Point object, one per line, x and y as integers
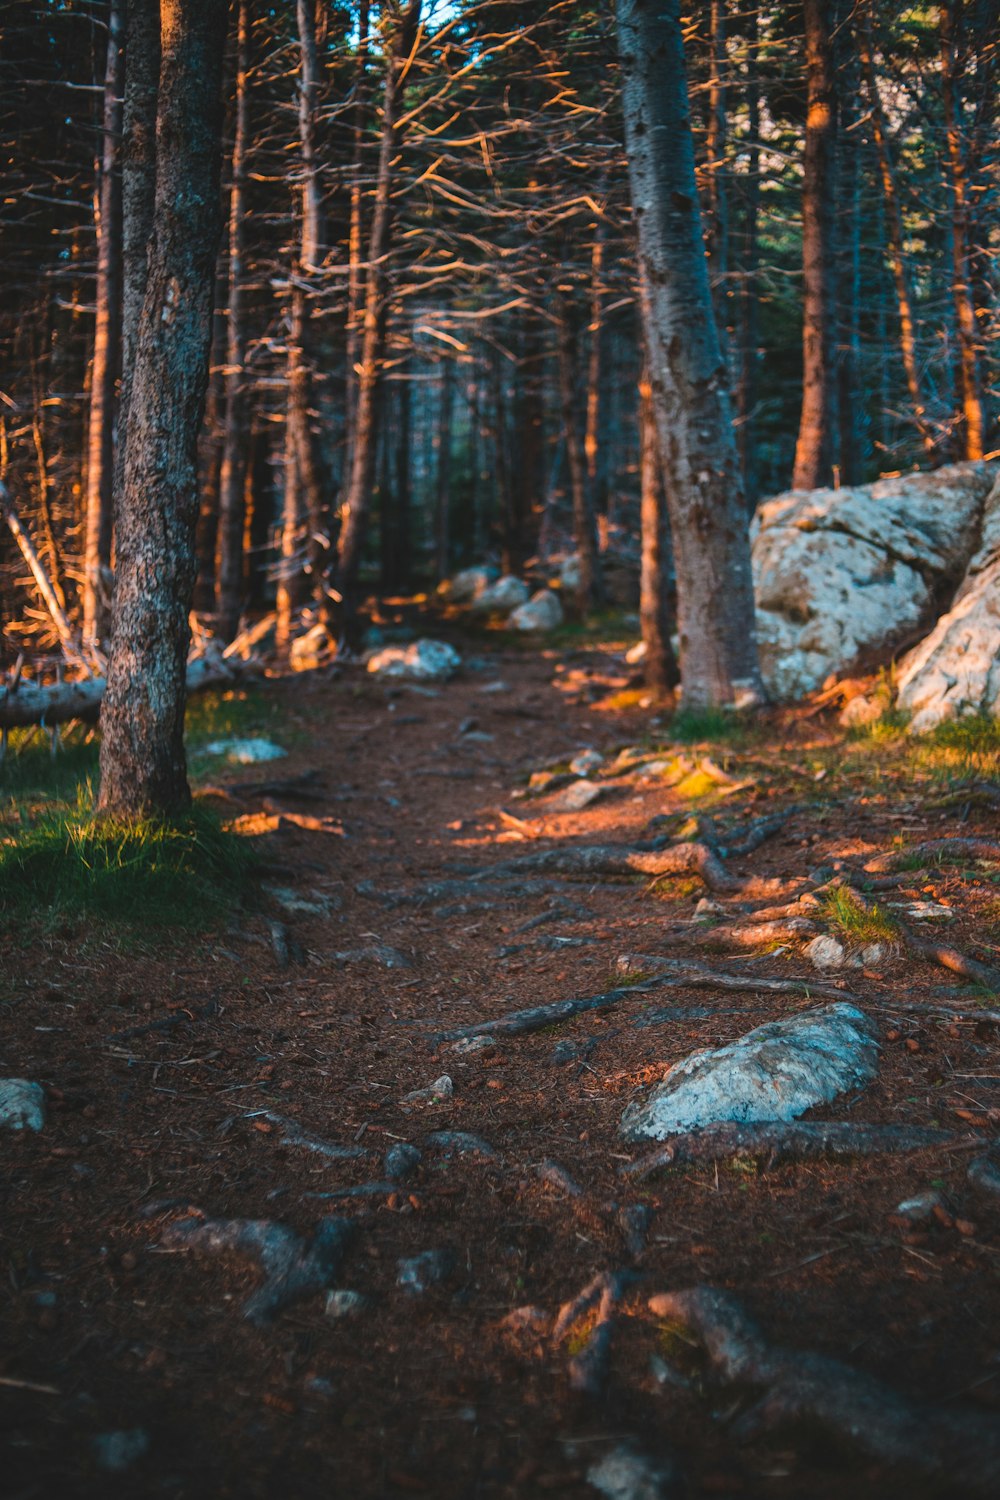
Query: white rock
{"type": "Point", "coordinates": [925, 911]}
{"type": "Point", "coordinates": [575, 797]}
{"type": "Point", "coordinates": [627, 1474]}
{"type": "Point", "coordinates": [636, 654]}
{"type": "Point", "coordinates": [775, 1072]}
{"type": "Point", "coordinates": [866, 708]}
{"type": "Point", "coordinates": [837, 572]}
{"type": "Point", "coordinates": [22, 1104]}
{"type": "Point", "coordinates": [435, 1093]}
{"type": "Point", "coordinates": [501, 597]}
{"type": "Point", "coordinates": [467, 585]}
{"type": "Point", "coordinates": [314, 649]}
{"type": "Point", "coordinates": [423, 661]}
{"type": "Point", "coordinates": [542, 612]}
{"type": "Point", "coordinates": [473, 1046]}
{"type": "Point", "coordinates": [246, 752]}
{"type": "Point", "coordinates": [345, 1304]}
{"type": "Point", "coordinates": [826, 952]}
{"type": "Point", "coordinates": [586, 761]}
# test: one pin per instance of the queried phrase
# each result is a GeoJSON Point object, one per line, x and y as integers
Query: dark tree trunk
{"type": "Point", "coordinates": [357, 495]}
{"type": "Point", "coordinates": [442, 498]}
{"type": "Point", "coordinates": [589, 593]}
{"type": "Point", "coordinates": [849, 399]}
{"type": "Point", "coordinates": [355, 283]}
{"type": "Point", "coordinates": [817, 423]}
{"type": "Point", "coordinates": [749, 357]}
{"type": "Point", "coordinates": [104, 367]}
{"type": "Point", "coordinates": [715, 145]}
{"type": "Point", "coordinates": [143, 767]}
{"type": "Point", "coordinates": [660, 664]}
{"type": "Point", "coordinates": [698, 459]}
{"type": "Point", "coordinates": [229, 565]}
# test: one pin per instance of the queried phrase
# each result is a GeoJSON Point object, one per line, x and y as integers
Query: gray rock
{"type": "Point", "coordinates": [542, 612]}
{"type": "Point", "coordinates": [418, 1273]}
{"type": "Point", "coordinates": [22, 1104]}
{"type": "Point", "coordinates": [467, 585]}
{"type": "Point", "coordinates": [775, 1072]}
{"type": "Point", "coordinates": [500, 598]}
{"type": "Point", "coordinates": [424, 661]}
{"type": "Point", "coordinates": [984, 1173]}
{"type": "Point", "coordinates": [402, 1160]}
{"type": "Point", "coordinates": [118, 1451]}
{"type": "Point", "coordinates": [377, 953]}
{"type": "Point", "coordinates": [628, 1474]}
{"type": "Point", "coordinates": [460, 1143]}
{"type": "Point", "coordinates": [249, 752]}
{"type": "Point", "coordinates": [435, 1093]}
{"type": "Point", "coordinates": [315, 905]}
{"type": "Point", "coordinates": [576, 796]}
{"type": "Point", "coordinates": [474, 1046]}
{"type": "Point", "coordinates": [342, 1304]}
{"type": "Point", "coordinates": [586, 761]}
{"type": "Point", "coordinates": [921, 1208]}
{"type": "Point", "coordinates": [826, 952]}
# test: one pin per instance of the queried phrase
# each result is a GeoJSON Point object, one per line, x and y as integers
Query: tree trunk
{"type": "Point", "coordinates": [817, 423]}
{"type": "Point", "coordinates": [961, 290]}
{"type": "Point", "coordinates": [659, 665]}
{"type": "Point", "coordinates": [104, 368]}
{"type": "Point", "coordinates": [442, 497]}
{"type": "Point", "coordinates": [589, 593]}
{"type": "Point", "coordinates": [715, 145]}
{"type": "Point", "coordinates": [894, 226]}
{"type": "Point", "coordinates": [143, 767]}
{"type": "Point", "coordinates": [229, 564]}
{"type": "Point", "coordinates": [592, 428]}
{"type": "Point", "coordinates": [301, 498]}
{"type": "Point", "coordinates": [849, 397]}
{"type": "Point", "coordinates": [698, 457]}
{"type": "Point", "coordinates": [749, 360]}
{"type": "Point", "coordinates": [357, 496]}
{"type": "Point", "coordinates": [355, 301]}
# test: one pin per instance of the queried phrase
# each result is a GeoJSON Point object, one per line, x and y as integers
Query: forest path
{"type": "Point", "coordinates": [262, 1074]}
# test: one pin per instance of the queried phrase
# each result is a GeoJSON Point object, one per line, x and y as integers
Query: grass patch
{"type": "Point", "coordinates": [860, 924]}
{"type": "Point", "coordinates": [692, 726]}
{"type": "Point", "coordinates": [185, 873]}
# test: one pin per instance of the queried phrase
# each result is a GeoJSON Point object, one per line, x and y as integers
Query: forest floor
{"type": "Point", "coordinates": [199, 1071]}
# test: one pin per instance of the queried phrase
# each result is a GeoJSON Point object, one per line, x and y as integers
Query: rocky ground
{"type": "Point", "coordinates": [287, 1229]}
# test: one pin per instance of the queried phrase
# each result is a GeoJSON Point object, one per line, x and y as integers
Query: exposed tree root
{"type": "Point", "coordinates": [444, 890]}
{"type": "Point", "coordinates": [167, 1023]}
{"type": "Point", "coordinates": [619, 859]}
{"type": "Point", "coordinates": [558, 1177]}
{"type": "Point", "coordinates": [292, 1268]}
{"type": "Point", "coordinates": [700, 976]}
{"type": "Point", "coordinates": [294, 1135]}
{"type": "Point", "coordinates": [755, 934]}
{"type": "Point", "coordinates": [795, 1140]}
{"type": "Point", "coordinates": [588, 1368]}
{"type": "Point", "coordinates": [963, 1447]}
{"type": "Point", "coordinates": [951, 958]}
{"type": "Point", "coordinates": [944, 1009]}
{"type": "Point", "coordinates": [935, 849]}
{"type": "Point", "coordinates": [519, 1022]}
{"type": "Point", "coordinates": [461, 1143]}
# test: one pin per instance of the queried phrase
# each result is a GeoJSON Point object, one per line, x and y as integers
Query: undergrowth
{"type": "Point", "coordinates": [862, 924]}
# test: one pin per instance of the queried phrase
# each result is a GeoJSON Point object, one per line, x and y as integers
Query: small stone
{"type": "Point", "coordinates": [542, 612]}
{"type": "Point", "coordinates": [523, 1319]}
{"type": "Point", "coordinates": [567, 1051]}
{"type": "Point", "coordinates": [117, 1451]}
{"type": "Point", "coordinates": [825, 952]}
{"type": "Point", "coordinates": [345, 1304]}
{"type": "Point", "coordinates": [984, 1173]}
{"type": "Point", "coordinates": [22, 1104]}
{"type": "Point", "coordinates": [921, 1208]}
{"type": "Point", "coordinates": [474, 1046]}
{"type": "Point", "coordinates": [418, 1273]}
{"type": "Point", "coordinates": [402, 1160]}
{"type": "Point", "coordinates": [925, 911]}
{"type": "Point", "coordinates": [576, 796]}
{"type": "Point", "coordinates": [871, 954]}
{"type": "Point", "coordinates": [435, 1093]}
{"type": "Point", "coordinates": [586, 761]}
{"type": "Point", "coordinates": [708, 910]}
{"type": "Point", "coordinates": [249, 752]}
{"type": "Point", "coordinates": [627, 1474]}
{"type": "Point", "coordinates": [424, 661]}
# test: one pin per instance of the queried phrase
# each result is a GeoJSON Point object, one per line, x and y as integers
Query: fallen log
{"type": "Point", "coordinates": [962, 1448]}
{"type": "Point", "coordinates": [53, 703]}
{"type": "Point", "coordinates": [700, 976]}
{"type": "Point", "coordinates": [619, 859]}
{"type": "Point", "coordinates": [795, 1140]}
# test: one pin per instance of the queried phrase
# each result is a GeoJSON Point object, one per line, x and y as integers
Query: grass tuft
{"type": "Point", "coordinates": [861, 924]}
{"type": "Point", "coordinates": [691, 726]}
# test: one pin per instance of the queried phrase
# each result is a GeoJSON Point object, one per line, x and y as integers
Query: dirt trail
{"type": "Point", "coordinates": [261, 1073]}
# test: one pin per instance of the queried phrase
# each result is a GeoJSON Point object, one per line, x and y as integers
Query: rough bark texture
{"type": "Point", "coordinates": [104, 367]}
{"type": "Point", "coordinates": [660, 665]}
{"type": "Point", "coordinates": [589, 592]}
{"type": "Point", "coordinates": [961, 290]}
{"type": "Point", "coordinates": [699, 464]}
{"type": "Point", "coordinates": [816, 424]}
{"type": "Point", "coordinates": [142, 750]}
{"type": "Point", "coordinates": [232, 479]}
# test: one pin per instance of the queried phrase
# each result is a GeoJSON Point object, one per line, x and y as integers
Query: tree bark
{"type": "Point", "coordinates": [143, 767]}
{"type": "Point", "coordinates": [699, 464]}
{"type": "Point", "coordinates": [961, 289]}
{"type": "Point", "coordinates": [589, 593]}
{"type": "Point", "coordinates": [817, 422]}
{"type": "Point", "coordinates": [715, 145]}
{"type": "Point", "coordinates": [229, 562]}
{"type": "Point", "coordinates": [749, 358]}
{"type": "Point", "coordinates": [104, 367]}
{"type": "Point", "coordinates": [355, 301]}
{"type": "Point", "coordinates": [894, 227]}
{"type": "Point", "coordinates": [442, 498]}
{"type": "Point", "coordinates": [659, 665]}
{"type": "Point", "coordinates": [357, 497]}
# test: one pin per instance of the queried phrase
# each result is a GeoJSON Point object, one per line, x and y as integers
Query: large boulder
{"type": "Point", "coordinates": [775, 1072]}
{"type": "Point", "coordinates": [841, 573]}
{"type": "Point", "coordinates": [467, 585]}
{"type": "Point", "coordinates": [424, 661]}
{"type": "Point", "coordinates": [956, 670]}
{"type": "Point", "coordinates": [542, 612]}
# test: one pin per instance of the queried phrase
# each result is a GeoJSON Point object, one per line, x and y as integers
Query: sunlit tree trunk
{"type": "Point", "coordinates": [817, 422]}
{"type": "Point", "coordinates": [961, 289]}
{"type": "Point", "coordinates": [591, 432]}
{"type": "Point", "coordinates": [659, 665]}
{"type": "Point", "coordinates": [355, 280]}
{"type": "Point", "coordinates": [894, 228]}
{"type": "Point", "coordinates": [749, 322]}
{"type": "Point", "coordinates": [698, 459]}
{"type": "Point", "coordinates": [229, 564]}
{"type": "Point", "coordinates": [143, 767]}
{"type": "Point", "coordinates": [357, 495]}
{"type": "Point", "coordinates": [104, 366]}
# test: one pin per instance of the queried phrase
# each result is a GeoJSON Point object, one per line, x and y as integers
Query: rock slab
{"type": "Point", "coordinates": [22, 1104]}
{"type": "Point", "coordinates": [775, 1072]}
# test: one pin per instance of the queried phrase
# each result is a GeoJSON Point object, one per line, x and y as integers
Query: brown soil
{"type": "Point", "coordinates": [430, 1394]}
